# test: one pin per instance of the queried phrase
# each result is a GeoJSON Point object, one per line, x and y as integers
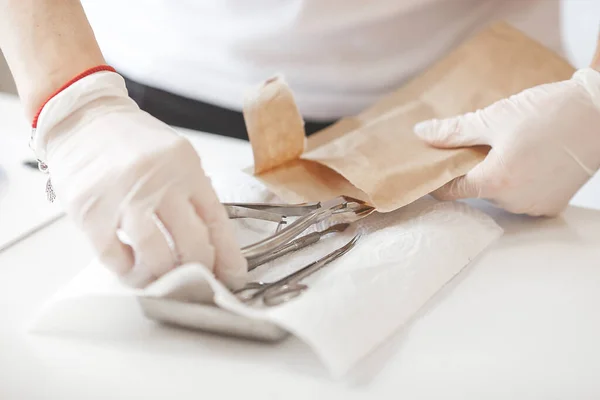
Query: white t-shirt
{"type": "Point", "coordinates": [338, 56]}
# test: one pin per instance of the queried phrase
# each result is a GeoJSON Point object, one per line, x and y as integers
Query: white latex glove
{"type": "Point", "coordinates": [545, 144]}
{"type": "Point", "coordinates": [117, 169]}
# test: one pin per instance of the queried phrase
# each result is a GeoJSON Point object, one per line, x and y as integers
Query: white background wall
{"type": "Point", "coordinates": [567, 26]}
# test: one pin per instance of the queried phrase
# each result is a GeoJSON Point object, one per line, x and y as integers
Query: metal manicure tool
{"type": "Point", "coordinates": [289, 287]}
{"type": "Point", "coordinates": [298, 226]}
{"type": "Point", "coordinates": [340, 210]}
{"type": "Point", "coordinates": [296, 245]}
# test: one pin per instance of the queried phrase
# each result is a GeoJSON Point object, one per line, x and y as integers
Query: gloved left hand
{"type": "Point", "coordinates": [545, 145]}
{"type": "Point", "coordinates": [133, 185]}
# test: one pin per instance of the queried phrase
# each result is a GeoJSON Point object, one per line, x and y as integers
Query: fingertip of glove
{"type": "Point", "coordinates": [423, 129]}
{"type": "Point", "coordinates": [137, 278]}
{"type": "Point", "coordinates": [234, 276]}
{"type": "Point", "coordinates": [435, 132]}
{"type": "Point", "coordinates": [458, 188]}
{"type": "Point", "coordinates": [231, 266]}
{"type": "Point", "coordinates": [444, 194]}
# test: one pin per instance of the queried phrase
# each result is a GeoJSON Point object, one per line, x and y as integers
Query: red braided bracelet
{"type": "Point", "coordinates": [82, 75]}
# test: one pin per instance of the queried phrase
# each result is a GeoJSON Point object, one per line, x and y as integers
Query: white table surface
{"type": "Point", "coordinates": [521, 322]}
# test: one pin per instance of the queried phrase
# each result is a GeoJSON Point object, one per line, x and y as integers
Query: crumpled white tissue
{"type": "Point", "coordinates": [402, 259]}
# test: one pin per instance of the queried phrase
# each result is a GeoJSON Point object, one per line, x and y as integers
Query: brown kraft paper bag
{"type": "Point", "coordinates": [375, 156]}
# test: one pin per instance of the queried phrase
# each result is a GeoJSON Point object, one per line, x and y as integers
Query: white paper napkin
{"type": "Point", "coordinates": [353, 304]}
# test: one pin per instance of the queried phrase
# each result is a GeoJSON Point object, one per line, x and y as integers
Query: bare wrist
{"type": "Point", "coordinates": [34, 96]}
{"type": "Point", "coordinates": [596, 59]}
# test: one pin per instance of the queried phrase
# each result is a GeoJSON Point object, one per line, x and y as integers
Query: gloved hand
{"type": "Point", "coordinates": [545, 144]}
{"type": "Point", "coordinates": [121, 173]}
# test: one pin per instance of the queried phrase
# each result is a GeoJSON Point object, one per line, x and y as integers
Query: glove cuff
{"type": "Point", "coordinates": [590, 79]}
{"type": "Point", "coordinates": [77, 93]}
{"type": "Point", "coordinates": [85, 73]}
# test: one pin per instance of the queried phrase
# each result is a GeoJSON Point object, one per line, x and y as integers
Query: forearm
{"type": "Point", "coordinates": [46, 43]}
{"type": "Point", "coordinates": [596, 59]}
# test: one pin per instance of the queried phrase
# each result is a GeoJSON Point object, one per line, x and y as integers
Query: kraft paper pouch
{"type": "Point", "coordinates": [375, 156]}
{"type": "Point", "coordinates": [274, 125]}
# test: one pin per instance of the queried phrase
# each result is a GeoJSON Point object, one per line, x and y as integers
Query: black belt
{"type": "Point", "coordinates": [193, 114]}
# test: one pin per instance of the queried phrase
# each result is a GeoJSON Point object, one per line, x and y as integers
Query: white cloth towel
{"type": "Point", "coordinates": [402, 259]}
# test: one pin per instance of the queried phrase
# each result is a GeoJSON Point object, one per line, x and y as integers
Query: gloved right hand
{"type": "Point", "coordinates": [122, 173]}
{"type": "Point", "coordinates": [545, 144]}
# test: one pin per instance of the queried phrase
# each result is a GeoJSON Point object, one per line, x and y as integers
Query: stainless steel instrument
{"type": "Point", "coordinates": [342, 209]}
{"type": "Point", "coordinates": [289, 287]}
{"type": "Point", "coordinates": [293, 222]}
{"type": "Point", "coordinates": [297, 244]}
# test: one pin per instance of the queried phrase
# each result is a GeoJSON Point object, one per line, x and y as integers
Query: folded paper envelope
{"type": "Point", "coordinates": [375, 156]}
